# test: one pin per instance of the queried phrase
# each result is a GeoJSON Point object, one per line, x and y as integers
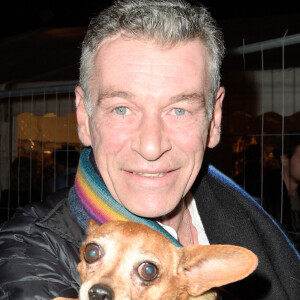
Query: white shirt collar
{"type": "Point", "coordinates": [196, 221]}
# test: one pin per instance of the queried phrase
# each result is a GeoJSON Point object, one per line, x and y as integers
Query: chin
{"type": "Point", "coordinates": [151, 212]}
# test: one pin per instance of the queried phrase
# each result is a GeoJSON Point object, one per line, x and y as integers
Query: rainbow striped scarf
{"type": "Point", "coordinates": [92, 195]}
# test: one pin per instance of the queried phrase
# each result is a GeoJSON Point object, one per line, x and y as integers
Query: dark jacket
{"type": "Point", "coordinates": [39, 246]}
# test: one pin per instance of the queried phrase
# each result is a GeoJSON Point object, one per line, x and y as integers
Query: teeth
{"type": "Point", "coordinates": [151, 175]}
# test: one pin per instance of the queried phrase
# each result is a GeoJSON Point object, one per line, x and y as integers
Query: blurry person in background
{"type": "Point", "coordinates": [24, 186]}
{"type": "Point", "coordinates": [282, 189]}
{"type": "Point", "coordinates": [250, 177]}
{"type": "Point", "coordinates": [65, 161]}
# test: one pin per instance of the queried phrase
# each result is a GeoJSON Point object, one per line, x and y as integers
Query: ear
{"type": "Point", "coordinates": [215, 123]}
{"type": "Point", "coordinates": [82, 118]}
{"type": "Point", "coordinates": [205, 267]}
{"type": "Point", "coordinates": [92, 225]}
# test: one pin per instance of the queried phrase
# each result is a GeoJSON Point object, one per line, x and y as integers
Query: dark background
{"type": "Point", "coordinates": [40, 40]}
{"type": "Point", "coordinates": [24, 16]}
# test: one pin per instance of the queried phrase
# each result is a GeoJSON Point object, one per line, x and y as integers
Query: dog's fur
{"type": "Point", "coordinates": [182, 273]}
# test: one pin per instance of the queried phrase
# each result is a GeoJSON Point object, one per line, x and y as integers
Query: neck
{"type": "Point", "coordinates": [175, 218]}
{"type": "Point", "coordinates": [178, 220]}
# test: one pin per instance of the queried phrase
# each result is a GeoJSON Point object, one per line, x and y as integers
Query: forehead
{"type": "Point", "coordinates": [128, 48]}
{"type": "Point", "coordinates": [131, 63]}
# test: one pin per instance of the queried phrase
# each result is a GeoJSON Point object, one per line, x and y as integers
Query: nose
{"type": "Point", "coordinates": [101, 292]}
{"type": "Point", "coordinates": [151, 140]}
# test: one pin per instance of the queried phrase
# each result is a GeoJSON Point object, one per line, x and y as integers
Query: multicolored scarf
{"type": "Point", "coordinates": [90, 199]}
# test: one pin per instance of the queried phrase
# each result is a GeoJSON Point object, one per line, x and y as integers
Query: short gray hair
{"type": "Point", "coordinates": [167, 22]}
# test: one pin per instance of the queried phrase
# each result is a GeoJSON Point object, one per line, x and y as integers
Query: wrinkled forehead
{"type": "Point", "coordinates": [133, 45]}
{"type": "Point", "coordinates": [144, 68]}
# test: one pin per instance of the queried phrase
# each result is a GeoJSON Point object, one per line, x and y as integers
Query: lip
{"type": "Point", "coordinates": [150, 175]}
{"type": "Point", "coordinates": [151, 178]}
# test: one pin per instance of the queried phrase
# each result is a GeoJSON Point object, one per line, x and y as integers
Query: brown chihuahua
{"type": "Point", "coordinates": [130, 261]}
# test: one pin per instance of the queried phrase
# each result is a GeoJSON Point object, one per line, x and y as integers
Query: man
{"type": "Point", "coordinates": [148, 104]}
{"type": "Point", "coordinates": [282, 189]}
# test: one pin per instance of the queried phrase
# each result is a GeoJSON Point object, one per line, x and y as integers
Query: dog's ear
{"type": "Point", "coordinates": [92, 225]}
{"type": "Point", "coordinates": [205, 267]}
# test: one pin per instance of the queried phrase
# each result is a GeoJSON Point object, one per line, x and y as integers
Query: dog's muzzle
{"type": "Point", "coordinates": [101, 292]}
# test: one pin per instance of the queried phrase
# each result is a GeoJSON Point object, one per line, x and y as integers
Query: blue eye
{"type": "Point", "coordinates": [92, 253]}
{"type": "Point", "coordinates": [121, 110]}
{"type": "Point", "coordinates": [147, 271]}
{"type": "Point", "coordinates": [179, 111]}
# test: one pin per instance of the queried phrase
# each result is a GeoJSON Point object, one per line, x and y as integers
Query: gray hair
{"type": "Point", "coordinates": [167, 22]}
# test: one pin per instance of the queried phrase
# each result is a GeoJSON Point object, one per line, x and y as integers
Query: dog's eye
{"type": "Point", "coordinates": [92, 253]}
{"type": "Point", "coordinates": [147, 271]}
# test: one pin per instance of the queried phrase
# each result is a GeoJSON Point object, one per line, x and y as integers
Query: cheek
{"type": "Point", "coordinates": [295, 168]}
{"type": "Point", "coordinates": [107, 138]}
{"type": "Point", "coordinates": [191, 139]}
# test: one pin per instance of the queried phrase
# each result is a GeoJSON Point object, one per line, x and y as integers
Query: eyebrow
{"type": "Point", "coordinates": [114, 94]}
{"type": "Point", "coordinates": [189, 97]}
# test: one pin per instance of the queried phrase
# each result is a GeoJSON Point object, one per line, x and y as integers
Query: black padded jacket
{"type": "Point", "coordinates": [39, 246]}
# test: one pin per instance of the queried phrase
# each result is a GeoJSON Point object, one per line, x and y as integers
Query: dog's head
{"type": "Point", "coordinates": [130, 261]}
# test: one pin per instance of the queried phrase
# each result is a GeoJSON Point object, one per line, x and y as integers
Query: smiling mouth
{"type": "Point", "coordinates": [150, 175]}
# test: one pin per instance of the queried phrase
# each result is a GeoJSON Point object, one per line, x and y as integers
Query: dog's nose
{"type": "Point", "coordinates": [101, 292]}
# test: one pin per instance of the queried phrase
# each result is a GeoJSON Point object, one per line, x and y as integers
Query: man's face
{"type": "Point", "coordinates": [294, 165]}
{"type": "Point", "coordinates": [148, 128]}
